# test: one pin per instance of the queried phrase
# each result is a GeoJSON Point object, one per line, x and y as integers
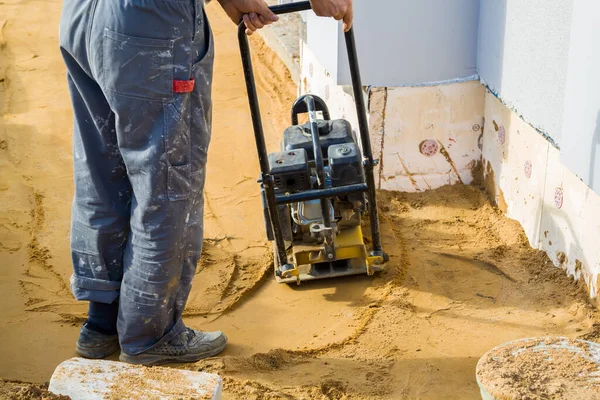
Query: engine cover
{"type": "Point", "coordinates": [290, 171]}
{"type": "Point", "coordinates": [345, 164]}
{"type": "Point", "coordinates": [330, 132]}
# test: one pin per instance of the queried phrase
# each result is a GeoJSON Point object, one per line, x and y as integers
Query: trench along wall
{"type": "Point", "coordinates": [430, 136]}
{"type": "Point", "coordinates": [524, 173]}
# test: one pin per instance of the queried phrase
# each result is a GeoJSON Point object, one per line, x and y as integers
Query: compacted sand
{"type": "Point", "coordinates": [461, 280]}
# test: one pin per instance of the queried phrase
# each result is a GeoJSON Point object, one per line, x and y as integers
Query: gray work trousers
{"type": "Point", "coordinates": [139, 74]}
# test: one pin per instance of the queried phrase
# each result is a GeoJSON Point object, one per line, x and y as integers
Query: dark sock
{"type": "Point", "coordinates": [103, 317]}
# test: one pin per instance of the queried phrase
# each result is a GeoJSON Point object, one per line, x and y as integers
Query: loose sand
{"type": "Point", "coordinates": [542, 368]}
{"type": "Point", "coordinates": [462, 278]}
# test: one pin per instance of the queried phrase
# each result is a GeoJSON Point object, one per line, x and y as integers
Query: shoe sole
{"type": "Point", "coordinates": [95, 353]}
{"type": "Point", "coordinates": [151, 360]}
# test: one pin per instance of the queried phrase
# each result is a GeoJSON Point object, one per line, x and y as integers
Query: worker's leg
{"type": "Point", "coordinates": [101, 205]}
{"type": "Point", "coordinates": [145, 55]}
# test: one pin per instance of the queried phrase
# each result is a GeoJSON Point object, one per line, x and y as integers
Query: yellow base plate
{"type": "Point", "coordinates": [351, 259]}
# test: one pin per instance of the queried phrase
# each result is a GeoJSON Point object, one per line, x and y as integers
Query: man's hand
{"type": "Point", "coordinates": [255, 13]}
{"type": "Point", "coordinates": [338, 9]}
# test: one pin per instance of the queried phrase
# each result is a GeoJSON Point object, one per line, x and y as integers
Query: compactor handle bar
{"type": "Point", "coordinates": [266, 178]}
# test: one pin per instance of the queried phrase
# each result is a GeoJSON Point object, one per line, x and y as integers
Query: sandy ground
{"type": "Point", "coordinates": [461, 279]}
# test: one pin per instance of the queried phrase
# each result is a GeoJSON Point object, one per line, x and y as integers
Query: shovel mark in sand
{"type": "Point", "coordinates": [482, 264]}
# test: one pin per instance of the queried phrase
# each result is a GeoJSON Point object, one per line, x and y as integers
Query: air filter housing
{"type": "Point", "coordinates": [290, 171]}
{"type": "Point", "coordinates": [345, 164]}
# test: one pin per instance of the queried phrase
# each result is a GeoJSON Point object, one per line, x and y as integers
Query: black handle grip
{"type": "Point", "coordinates": [291, 7]}
{"type": "Point", "coordinates": [300, 107]}
{"type": "Point", "coordinates": [284, 9]}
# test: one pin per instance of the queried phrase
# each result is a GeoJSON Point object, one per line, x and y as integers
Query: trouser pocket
{"type": "Point", "coordinates": [163, 131]}
{"type": "Point", "coordinates": [179, 182]}
{"type": "Point", "coordinates": [137, 67]}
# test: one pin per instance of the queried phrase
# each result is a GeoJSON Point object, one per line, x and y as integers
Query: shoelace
{"type": "Point", "coordinates": [190, 334]}
{"type": "Point", "coordinates": [183, 338]}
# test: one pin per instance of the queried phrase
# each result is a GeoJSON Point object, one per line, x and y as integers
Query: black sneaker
{"type": "Point", "coordinates": [93, 344]}
{"type": "Point", "coordinates": [189, 346]}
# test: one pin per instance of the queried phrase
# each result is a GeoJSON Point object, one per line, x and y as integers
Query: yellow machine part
{"type": "Point", "coordinates": [349, 244]}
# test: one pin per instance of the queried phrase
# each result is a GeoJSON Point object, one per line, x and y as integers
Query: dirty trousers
{"type": "Point", "coordinates": [140, 140]}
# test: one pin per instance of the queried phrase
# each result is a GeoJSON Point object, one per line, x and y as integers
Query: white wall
{"type": "Point", "coordinates": [559, 213]}
{"type": "Point", "coordinates": [523, 54]}
{"type": "Point", "coordinates": [402, 42]}
{"type": "Point", "coordinates": [580, 147]}
{"type": "Point", "coordinates": [540, 57]}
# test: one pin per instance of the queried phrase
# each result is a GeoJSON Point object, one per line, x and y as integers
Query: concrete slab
{"type": "Point", "coordinates": [81, 379]}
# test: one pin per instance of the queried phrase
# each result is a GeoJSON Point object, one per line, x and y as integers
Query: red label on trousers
{"type": "Point", "coordinates": [183, 86]}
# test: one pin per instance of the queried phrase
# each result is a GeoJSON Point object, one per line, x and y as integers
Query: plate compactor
{"type": "Point", "coordinates": [318, 188]}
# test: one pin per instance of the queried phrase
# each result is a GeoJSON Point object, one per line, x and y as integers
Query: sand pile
{"type": "Point", "coordinates": [27, 391]}
{"type": "Point", "coordinates": [462, 280]}
{"type": "Point", "coordinates": [542, 368]}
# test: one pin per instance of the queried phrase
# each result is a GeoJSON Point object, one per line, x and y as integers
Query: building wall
{"type": "Point", "coordinates": [426, 137]}
{"type": "Point", "coordinates": [541, 58]}
{"type": "Point", "coordinates": [402, 42]}
{"type": "Point", "coordinates": [580, 146]}
{"type": "Point", "coordinates": [559, 213]}
{"type": "Point", "coordinates": [522, 56]}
